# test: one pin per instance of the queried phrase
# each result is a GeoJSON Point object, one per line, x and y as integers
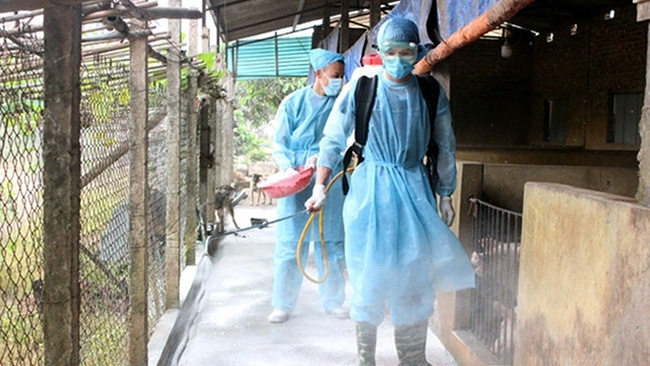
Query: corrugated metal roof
{"type": "Point", "coordinates": [269, 58]}
{"type": "Point", "coordinates": [238, 19]}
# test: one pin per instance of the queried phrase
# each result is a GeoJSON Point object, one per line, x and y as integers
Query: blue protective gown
{"type": "Point", "coordinates": [398, 251]}
{"type": "Point", "coordinates": [299, 124]}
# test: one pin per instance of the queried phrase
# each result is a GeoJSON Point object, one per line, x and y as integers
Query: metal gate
{"type": "Point", "coordinates": [497, 240]}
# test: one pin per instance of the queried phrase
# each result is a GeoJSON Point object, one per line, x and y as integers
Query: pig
{"type": "Point", "coordinates": [504, 343]}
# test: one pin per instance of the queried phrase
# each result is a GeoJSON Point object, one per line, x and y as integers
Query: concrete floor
{"type": "Point", "coordinates": [232, 328]}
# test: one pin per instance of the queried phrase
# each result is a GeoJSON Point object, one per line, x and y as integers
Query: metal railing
{"type": "Point", "coordinates": [497, 241]}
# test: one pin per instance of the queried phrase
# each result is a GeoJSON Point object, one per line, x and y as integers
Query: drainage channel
{"type": "Point", "coordinates": [189, 311]}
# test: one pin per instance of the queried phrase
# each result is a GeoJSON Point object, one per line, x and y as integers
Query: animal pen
{"type": "Point", "coordinates": [99, 176]}
{"type": "Point", "coordinates": [497, 243]}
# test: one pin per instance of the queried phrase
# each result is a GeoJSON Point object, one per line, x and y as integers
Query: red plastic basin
{"type": "Point", "coordinates": [278, 185]}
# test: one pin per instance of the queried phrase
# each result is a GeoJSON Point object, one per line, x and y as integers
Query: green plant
{"type": "Point", "coordinates": [249, 145]}
{"type": "Point", "coordinates": [258, 102]}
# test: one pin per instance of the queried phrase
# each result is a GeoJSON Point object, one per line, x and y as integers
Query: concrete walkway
{"type": "Point", "coordinates": [232, 328]}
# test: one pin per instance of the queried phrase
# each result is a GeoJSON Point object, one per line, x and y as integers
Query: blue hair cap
{"type": "Point", "coordinates": [320, 58]}
{"type": "Point", "coordinates": [398, 29]}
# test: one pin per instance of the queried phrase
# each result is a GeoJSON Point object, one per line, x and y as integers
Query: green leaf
{"type": "Point", "coordinates": [208, 59]}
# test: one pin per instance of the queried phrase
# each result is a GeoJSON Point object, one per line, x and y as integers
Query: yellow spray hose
{"type": "Point", "coordinates": [321, 230]}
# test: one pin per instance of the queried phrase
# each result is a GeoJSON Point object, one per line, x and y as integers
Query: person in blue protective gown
{"type": "Point", "coordinates": [399, 250]}
{"type": "Point", "coordinates": [299, 124]}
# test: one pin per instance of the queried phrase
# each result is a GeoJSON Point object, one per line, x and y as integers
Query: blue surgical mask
{"type": "Point", "coordinates": [333, 88]}
{"type": "Point", "coordinates": [398, 67]}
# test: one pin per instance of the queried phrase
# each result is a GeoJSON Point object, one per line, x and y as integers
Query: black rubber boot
{"type": "Point", "coordinates": [411, 344]}
{"type": "Point", "coordinates": [366, 343]}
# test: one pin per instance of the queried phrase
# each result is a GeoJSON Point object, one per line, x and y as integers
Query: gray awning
{"type": "Point", "coordinates": [239, 19]}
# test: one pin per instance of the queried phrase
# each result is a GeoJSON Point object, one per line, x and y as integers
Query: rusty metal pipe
{"type": "Point", "coordinates": [497, 14]}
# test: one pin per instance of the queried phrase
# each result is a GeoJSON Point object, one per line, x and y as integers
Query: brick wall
{"type": "Point", "coordinates": [500, 102]}
{"type": "Point", "coordinates": [605, 56]}
{"type": "Point", "coordinates": [560, 71]}
{"type": "Point", "coordinates": [490, 95]}
{"type": "Point", "coordinates": [618, 64]}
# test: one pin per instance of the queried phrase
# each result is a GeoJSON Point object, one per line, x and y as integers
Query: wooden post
{"type": "Point", "coordinates": [204, 152]}
{"type": "Point", "coordinates": [220, 119]}
{"type": "Point", "coordinates": [173, 221]}
{"type": "Point", "coordinates": [344, 35]}
{"type": "Point", "coordinates": [138, 204]}
{"type": "Point", "coordinates": [193, 38]}
{"type": "Point", "coordinates": [205, 39]}
{"type": "Point", "coordinates": [326, 19]}
{"type": "Point", "coordinates": [229, 132]}
{"type": "Point", "coordinates": [192, 167]}
{"type": "Point", "coordinates": [61, 184]}
{"type": "Point", "coordinates": [221, 139]}
{"type": "Point", "coordinates": [207, 161]}
{"type": "Point", "coordinates": [218, 141]}
{"type": "Point", "coordinates": [375, 12]}
{"type": "Point", "coordinates": [213, 114]}
{"type": "Point", "coordinates": [277, 55]}
{"type": "Point", "coordinates": [643, 192]}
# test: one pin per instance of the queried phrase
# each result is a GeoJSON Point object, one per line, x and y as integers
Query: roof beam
{"type": "Point", "coordinates": [225, 4]}
{"type": "Point", "coordinates": [275, 19]}
{"type": "Point", "coordinates": [16, 5]}
{"type": "Point", "coordinates": [151, 11]}
{"type": "Point", "coordinates": [296, 19]}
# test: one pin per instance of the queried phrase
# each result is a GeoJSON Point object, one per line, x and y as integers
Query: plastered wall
{"type": "Point", "coordinates": [584, 281]}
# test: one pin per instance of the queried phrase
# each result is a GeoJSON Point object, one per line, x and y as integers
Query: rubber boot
{"type": "Point", "coordinates": [366, 343]}
{"type": "Point", "coordinates": [411, 343]}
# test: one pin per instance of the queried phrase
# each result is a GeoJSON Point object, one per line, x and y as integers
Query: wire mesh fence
{"type": "Point", "coordinates": [104, 209]}
{"type": "Point", "coordinates": [21, 202]}
{"type": "Point", "coordinates": [157, 198]}
{"type": "Point", "coordinates": [104, 257]}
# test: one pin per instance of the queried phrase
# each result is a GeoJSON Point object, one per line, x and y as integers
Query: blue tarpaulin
{"type": "Point", "coordinates": [454, 14]}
